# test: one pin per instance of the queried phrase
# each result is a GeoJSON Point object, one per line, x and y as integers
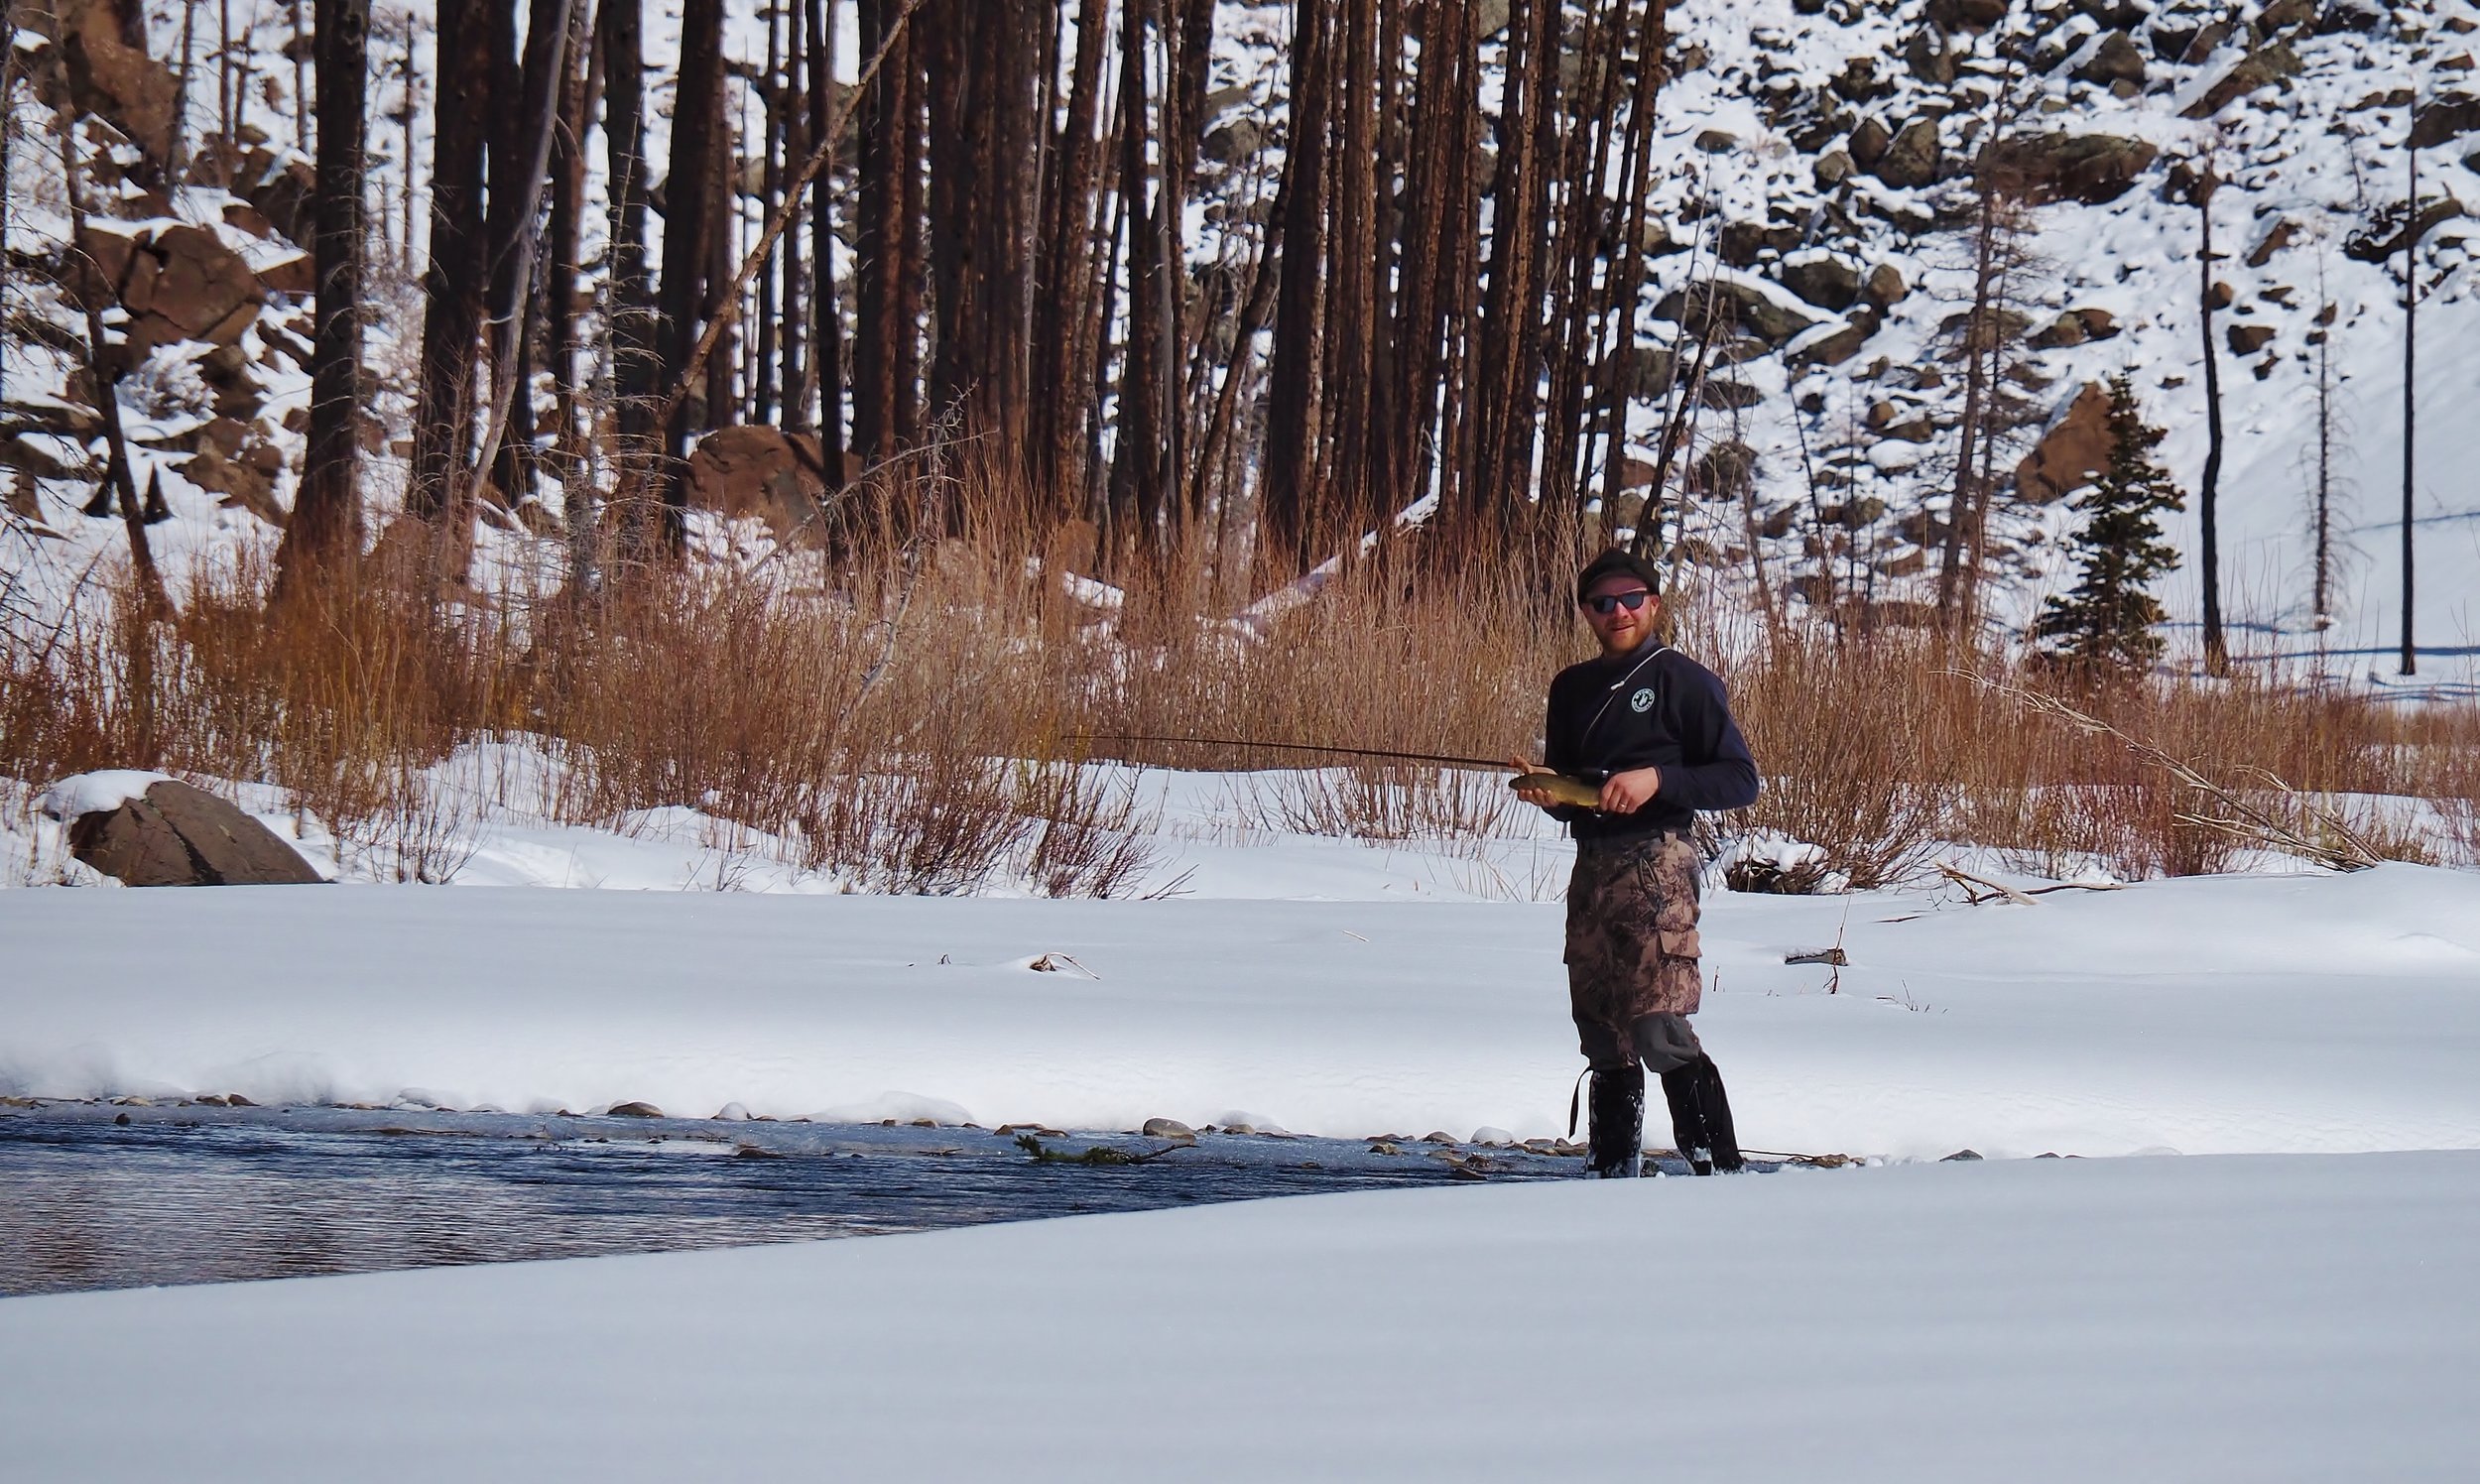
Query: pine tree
{"type": "Point", "coordinates": [2109, 617]}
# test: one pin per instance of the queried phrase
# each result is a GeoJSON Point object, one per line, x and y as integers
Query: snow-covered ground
{"type": "Point", "coordinates": [2294, 1301]}
{"type": "Point", "coordinates": [2310, 1318]}
{"type": "Point", "coordinates": [2288, 1012]}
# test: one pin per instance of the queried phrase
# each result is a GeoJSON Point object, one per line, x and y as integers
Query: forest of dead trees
{"type": "Point", "coordinates": [988, 246]}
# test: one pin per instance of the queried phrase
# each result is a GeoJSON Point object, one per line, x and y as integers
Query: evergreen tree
{"type": "Point", "coordinates": [2109, 616]}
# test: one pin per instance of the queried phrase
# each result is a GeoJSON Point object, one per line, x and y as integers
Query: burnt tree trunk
{"type": "Point", "coordinates": [1293, 466]}
{"type": "Point", "coordinates": [827, 335]}
{"type": "Point", "coordinates": [326, 514]}
{"type": "Point", "coordinates": [634, 363]}
{"type": "Point", "coordinates": [453, 283]}
{"type": "Point", "coordinates": [688, 209]}
{"type": "Point", "coordinates": [2208, 491]}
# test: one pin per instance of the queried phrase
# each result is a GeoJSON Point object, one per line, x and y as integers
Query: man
{"type": "Point", "coordinates": [1649, 727]}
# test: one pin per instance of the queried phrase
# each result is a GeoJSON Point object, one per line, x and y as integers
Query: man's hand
{"type": "Point", "coordinates": [1628, 791]}
{"type": "Point", "coordinates": [1538, 798]}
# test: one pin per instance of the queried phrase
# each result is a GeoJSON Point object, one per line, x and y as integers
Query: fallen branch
{"type": "Point", "coordinates": [1997, 889]}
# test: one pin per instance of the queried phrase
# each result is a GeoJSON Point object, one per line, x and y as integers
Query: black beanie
{"type": "Point", "coordinates": [1617, 559]}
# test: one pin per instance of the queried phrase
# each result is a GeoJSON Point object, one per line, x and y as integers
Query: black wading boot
{"type": "Point", "coordinates": [1616, 1143]}
{"type": "Point", "coordinates": [1700, 1117]}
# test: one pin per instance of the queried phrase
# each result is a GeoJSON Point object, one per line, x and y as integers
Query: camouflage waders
{"type": "Point", "coordinates": [1632, 949]}
{"type": "Point", "coordinates": [1634, 977]}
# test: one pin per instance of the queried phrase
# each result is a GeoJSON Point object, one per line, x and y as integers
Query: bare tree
{"type": "Point", "coordinates": [326, 520]}
{"type": "Point", "coordinates": [2208, 489]}
{"type": "Point", "coordinates": [2411, 372]}
{"type": "Point", "coordinates": [453, 284]}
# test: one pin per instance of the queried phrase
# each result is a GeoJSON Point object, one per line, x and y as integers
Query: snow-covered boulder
{"type": "Point", "coordinates": [148, 830]}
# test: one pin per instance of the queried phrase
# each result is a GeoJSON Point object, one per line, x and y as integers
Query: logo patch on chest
{"type": "Point", "coordinates": [1641, 702]}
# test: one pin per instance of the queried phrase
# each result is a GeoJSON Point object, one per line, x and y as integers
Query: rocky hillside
{"type": "Point", "coordinates": [1818, 218]}
{"type": "Point", "coordinates": [1824, 152]}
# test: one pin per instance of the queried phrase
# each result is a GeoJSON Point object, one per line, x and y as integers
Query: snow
{"type": "Point", "coordinates": [2240, 1319]}
{"type": "Point", "coordinates": [97, 793]}
{"type": "Point", "coordinates": [2296, 1013]}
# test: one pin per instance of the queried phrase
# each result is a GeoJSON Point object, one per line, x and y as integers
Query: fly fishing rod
{"type": "Point", "coordinates": [1558, 785]}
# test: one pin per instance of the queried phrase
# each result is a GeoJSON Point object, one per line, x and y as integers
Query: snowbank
{"type": "Point", "coordinates": [2056, 1320]}
{"type": "Point", "coordinates": [2302, 1013]}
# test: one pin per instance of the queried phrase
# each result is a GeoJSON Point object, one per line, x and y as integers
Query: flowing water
{"type": "Point", "coordinates": [104, 1196]}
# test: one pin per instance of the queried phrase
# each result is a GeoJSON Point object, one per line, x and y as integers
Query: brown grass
{"type": "Point", "coordinates": [906, 713]}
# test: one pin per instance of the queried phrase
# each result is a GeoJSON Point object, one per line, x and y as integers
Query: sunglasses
{"type": "Point", "coordinates": [1608, 602]}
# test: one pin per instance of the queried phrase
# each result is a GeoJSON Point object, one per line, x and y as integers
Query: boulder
{"type": "Point", "coordinates": [1234, 142]}
{"type": "Point", "coordinates": [2350, 15]}
{"type": "Point", "coordinates": [1169, 1127]}
{"type": "Point", "coordinates": [110, 73]}
{"type": "Point", "coordinates": [1717, 140]}
{"type": "Point", "coordinates": [1868, 143]}
{"type": "Point", "coordinates": [2074, 449]}
{"type": "Point", "coordinates": [177, 835]}
{"type": "Point", "coordinates": [1735, 307]}
{"type": "Point", "coordinates": [1859, 82]}
{"type": "Point", "coordinates": [2450, 117]}
{"type": "Point", "coordinates": [2116, 59]}
{"type": "Point", "coordinates": [39, 460]}
{"type": "Point", "coordinates": [1739, 243]}
{"type": "Point", "coordinates": [1725, 471]}
{"type": "Point", "coordinates": [2248, 339]}
{"type": "Point", "coordinates": [1925, 52]}
{"type": "Point", "coordinates": [1833, 168]}
{"type": "Point", "coordinates": [177, 283]}
{"type": "Point", "coordinates": [277, 188]}
{"type": "Point", "coordinates": [2060, 333]}
{"type": "Point", "coordinates": [2088, 168]}
{"type": "Point", "coordinates": [1966, 15]}
{"type": "Point", "coordinates": [2115, 15]}
{"type": "Point", "coordinates": [1725, 395]}
{"type": "Point", "coordinates": [1823, 281]}
{"type": "Point", "coordinates": [1912, 160]}
{"type": "Point", "coordinates": [2283, 232]}
{"type": "Point", "coordinates": [779, 477]}
{"type": "Point", "coordinates": [2008, 325]}
{"type": "Point", "coordinates": [2395, 226]}
{"type": "Point", "coordinates": [2262, 68]}
{"type": "Point", "coordinates": [236, 462]}
{"type": "Point", "coordinates": [1885, 286]}
{"type": "Point", "coordinates": [1847, 342]}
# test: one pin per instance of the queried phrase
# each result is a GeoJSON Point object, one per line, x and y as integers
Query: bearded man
{"type": "Point", "coordinates": [1651, 729]}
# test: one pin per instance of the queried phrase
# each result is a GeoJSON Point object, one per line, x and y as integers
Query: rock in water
{"type": "Point", "coordinates": [177, 835]}
{"type": "Point", "coordinates": [1169, 1127]}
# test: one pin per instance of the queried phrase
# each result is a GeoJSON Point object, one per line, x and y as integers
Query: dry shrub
{"type": "Point", "coordinates": [1387, 801]}
{"type": "Point", "coordinates": [911, 709]}
{"type": "Point", "coordinates": [1859, 751]}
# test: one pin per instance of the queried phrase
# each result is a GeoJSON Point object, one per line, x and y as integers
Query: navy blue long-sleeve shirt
{"type": "Point", "coordinates": [1653, 708]}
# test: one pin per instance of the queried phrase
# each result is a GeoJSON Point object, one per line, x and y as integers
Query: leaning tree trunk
{"type": "Point", "coordinates": [517, 200]}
